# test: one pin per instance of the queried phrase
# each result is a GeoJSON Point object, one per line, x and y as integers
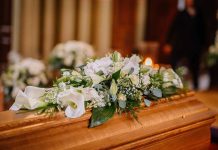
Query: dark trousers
{"type": "Point", "coordinates": [192, 61]}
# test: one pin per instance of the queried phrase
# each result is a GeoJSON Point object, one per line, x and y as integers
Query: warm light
{"type": "Point", "coordinates": [148, 61]}
{"type": "Point", "coordinates": [156, 66]}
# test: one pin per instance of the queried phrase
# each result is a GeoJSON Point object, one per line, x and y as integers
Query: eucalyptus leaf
{"type": "Point", "coordinates": [122, 104]}
{"type": "Point", "coordinates": [147, 102]}
{"type": "Point", "coordinates": [146, 92]}
{"type": "Point", "coordinates": [101, 114]}
{"type": "Point", "coordinates": [157, 92]}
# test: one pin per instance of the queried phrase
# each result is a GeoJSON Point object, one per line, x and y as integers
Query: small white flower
{"type": "Point", "coordinates": [92, 95]}
{"type": "Point", "coordinates": [29, 99]}
{"type": "Point", "coordinates": [66, 73]}
{"type": "Point", "coordinates": [121, 97]}
{"type": "Point", "coordinates": [62, 85]}
{"type": "Point", "coordinates": [146, 80]}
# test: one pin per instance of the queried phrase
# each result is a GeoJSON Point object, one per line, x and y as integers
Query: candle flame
{"type": "Point", "coordinates": [148, 61]}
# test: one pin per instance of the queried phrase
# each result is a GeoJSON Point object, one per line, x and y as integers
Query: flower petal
{"type": "Point", "coordinates": [34, 92]}
{"type": "Point", "coordinates": [72, 96]}
{"type": "Point", "coordinates": [22, 101]}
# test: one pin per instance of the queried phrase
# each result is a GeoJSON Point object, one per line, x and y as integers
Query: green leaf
{"type": "Point", "coordinates": [116, 75]}
{"type": "Point", "coordinates": [169, 91]}
{"type": "Point", "coordinates": [101, 114]}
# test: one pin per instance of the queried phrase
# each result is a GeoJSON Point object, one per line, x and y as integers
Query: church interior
{"type": "Point", "coordinates": [41, 40]}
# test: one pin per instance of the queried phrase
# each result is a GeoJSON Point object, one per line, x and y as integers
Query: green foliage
{"type": "Point", "coordinates": [169, 91]}
{"type": "Point", "coordinates": [212, 60]}
{"type": "Point", "coordinates": [116, 75]}
{"type": "Point", "coordinates": [101, 114]}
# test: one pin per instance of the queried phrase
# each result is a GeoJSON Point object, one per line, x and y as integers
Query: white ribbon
{"type": "Point", "coordinates": [28, 99]}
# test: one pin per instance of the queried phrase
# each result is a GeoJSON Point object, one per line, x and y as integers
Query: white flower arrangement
{"type": "Point", "coordinates": [70, 54]}
{"type": "Point", "coordinates": [106, 85]}
{"type": "Point", "coordinates": [17, 76]}
{"type": "Point", "coordinates": [213, 52]}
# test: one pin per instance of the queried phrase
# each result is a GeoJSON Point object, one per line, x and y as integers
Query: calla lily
{"type": "Point", "coordinates": [74, 103]}
{"type": "Point", "coordinates": [29, 99]}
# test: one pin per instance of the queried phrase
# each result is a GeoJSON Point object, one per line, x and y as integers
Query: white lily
{"type": "Point", "coordinates": [74, 103]}
{"type": "Point", "coordinates": [29, 99]}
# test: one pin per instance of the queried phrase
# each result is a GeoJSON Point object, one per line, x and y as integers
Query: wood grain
{"type": "Point", "coordinates": [183, 123]}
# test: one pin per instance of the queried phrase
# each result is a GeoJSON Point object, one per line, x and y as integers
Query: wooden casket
{"type": "Point", "coordinates": [181, 123]}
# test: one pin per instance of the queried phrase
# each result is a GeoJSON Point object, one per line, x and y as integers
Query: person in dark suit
{"type": "Point", "coordinates": [185, 39]}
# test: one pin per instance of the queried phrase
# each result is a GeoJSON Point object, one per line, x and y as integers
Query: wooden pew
{"type": "Point", "coordinates": [182, 123]}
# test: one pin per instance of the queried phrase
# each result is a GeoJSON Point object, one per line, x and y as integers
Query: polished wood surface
{"type": "Point", "coordinates": [179, 123]}
{"type": "Point", "coordinates": [210, 99]}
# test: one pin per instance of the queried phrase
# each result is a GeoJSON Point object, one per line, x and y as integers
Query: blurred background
{"type": "Point", "coordinates": [169, 32]}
